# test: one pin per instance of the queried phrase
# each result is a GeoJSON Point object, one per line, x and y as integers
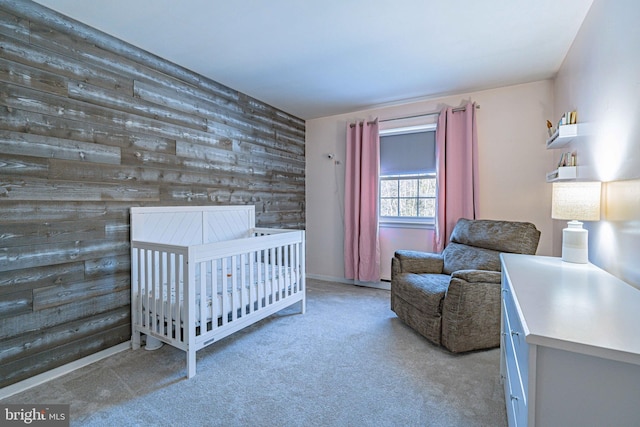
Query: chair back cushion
{"type": "Point", "coordinates": [462, 257]}
{"type": "Point", "coordinates": [477, 244]}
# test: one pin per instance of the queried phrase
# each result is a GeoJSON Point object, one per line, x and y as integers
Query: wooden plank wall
{"type": "Point", "coordinates": [89, 127]}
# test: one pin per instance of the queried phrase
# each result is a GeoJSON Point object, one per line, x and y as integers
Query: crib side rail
{"type": "Point", "coordinates": [262, 231]}
{"type": "Point", "coordinates": [249, 244]}
{"type": "Point", "coordinates": [247, 278]}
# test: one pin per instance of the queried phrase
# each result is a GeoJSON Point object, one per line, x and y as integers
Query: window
{"type": "Point", "coordinates": [408, 196]}
{"type": "Point", "coordinates": [407, 177]}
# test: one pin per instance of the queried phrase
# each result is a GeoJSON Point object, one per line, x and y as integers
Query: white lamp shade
{"type": "Point", "coordinates": [576, 201]}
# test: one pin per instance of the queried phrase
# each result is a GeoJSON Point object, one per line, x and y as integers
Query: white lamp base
{"type": "Point", "coordinates": [575, 243]}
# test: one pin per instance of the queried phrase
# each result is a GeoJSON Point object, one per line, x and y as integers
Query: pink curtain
{"type": "Point", "coordinates": [456, 170]}
{"type": "Point", "coordinates": [361, 245]}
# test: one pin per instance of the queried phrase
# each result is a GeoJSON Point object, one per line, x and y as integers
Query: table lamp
{"type": "Point", "coordinates": [575, 201]}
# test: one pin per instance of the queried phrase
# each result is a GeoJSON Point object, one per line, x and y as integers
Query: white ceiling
{"type": "Point", "coordinates": [325, 57]}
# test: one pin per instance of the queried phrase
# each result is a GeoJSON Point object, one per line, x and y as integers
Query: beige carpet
{"type": "Point", "coordinates": [348, 361]}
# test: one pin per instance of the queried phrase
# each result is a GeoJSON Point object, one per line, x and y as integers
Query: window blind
{"type": "Point", "coordinates": [408, 154]}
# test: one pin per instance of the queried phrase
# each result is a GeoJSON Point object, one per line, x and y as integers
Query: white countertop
{"type": "Point", "coordinates": [575, 307]}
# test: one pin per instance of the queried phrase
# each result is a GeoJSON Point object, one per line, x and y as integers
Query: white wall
{"type": "Point", "coordinates": [392, 239]}
{"type": "Point", "coordinates": [513, 163]}
{"type": "Point", "coordinates": [600, 78]}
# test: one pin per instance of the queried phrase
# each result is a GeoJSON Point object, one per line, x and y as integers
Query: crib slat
{"type": "Point", "coordinates": [152, 289]}
{"type": "Point", "coordinates": [200, 285]}
{"type": "Point", "coordinates": [175, 303]}
{"type": "Point", "coordinates": [294, 268]}
{"type": "Point", "coordinates": [159, 280]}
{"type": "Point", "coordinates": [259, 281]}
{"type": "Point", "coordinates": [216, 300]}
{"type": "Point", "coordinates": [165, 295]}
{"type": "Point", "coordinates": [288, 270]}
{"type": "Point", "coordinates": [285, 270]}
{"type": "Point", "coordinates": [276, 267]}
{"type": "Point", "coordinates": [210, 293]}
{"type": "Point", "coordinates": [234, 290]}
{"type": "Point", "coordinates": [276, 273]}
{"type": "Point", "coordinates": [161, 311]}
{"type": "Point", "coordinates": [167, 302]}
{"type": "Point", "coordinates": [280, 250]}
{"type": "Point", "coordinates": [237, 284]}
{"type": "Point", "coordinates": [278, 263]}
{"type": "Point", "coordinates": [243, 285]}
{"type": "Point", "coordinates": [275, 277]}
{"type": "Point", "coordinates": [148, 285]}
{"type": "Point", "coordinates": [159, 302]}
{"type": "Point", "coordinates": [267, 277]}
{"type": "Point", "coordinates": [224, 292]}
{"type": "Point", "coordinates": [297, 267]}
{"type": "Point", "coordinates": [295, 283]}
{"type": "Point", "coordinates": [272, 297]}
{"type": "Point", "coordinates": [252, 288]}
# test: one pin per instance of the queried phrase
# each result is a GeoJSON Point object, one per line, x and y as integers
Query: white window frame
{"type": "Point", "coordinates": [406, 222]}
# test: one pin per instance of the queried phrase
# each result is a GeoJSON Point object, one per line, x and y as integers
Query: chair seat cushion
{"type": "Point", "coordinates": [424, 291]}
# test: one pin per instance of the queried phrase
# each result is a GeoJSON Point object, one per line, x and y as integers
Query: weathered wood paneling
{"type": "Point", "coordinates": [16, 303]}
{"type": "Point", "coordinates": [17, 212]}
{"type": "Point", "coordinates": [16, 348]}
{"type": "Point", "coordinates": [23, 75]}
{"type": "Point", "coordinates": [37, 321]}
{"type": "Point", "coordinates": [25, 234]}
{"type": "Point", "coordinates": [55, 148]}
{"type": "Point", "coordinates": [13, 26]}
{"type": "Point", "coordinates": [60, 127]}
{"type": "Point", "coordinates": [48, 275]}
{"type": "Point", "coordinates": [37, 57]}
{"type": "Point", "coordinates": [89, 127]}
{"type": "Point", "coordinates": [41, 362]}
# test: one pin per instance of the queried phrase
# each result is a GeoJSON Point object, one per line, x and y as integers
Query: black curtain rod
{"type": "Point", "coordinates": [435, 113]}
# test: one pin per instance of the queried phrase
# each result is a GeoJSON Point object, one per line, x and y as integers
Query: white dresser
{"type": "Point", "coordinates": [570, 349]}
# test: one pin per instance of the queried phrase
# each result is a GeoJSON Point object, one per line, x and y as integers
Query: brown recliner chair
{"type": "Point", "coordinates": [453, 298]}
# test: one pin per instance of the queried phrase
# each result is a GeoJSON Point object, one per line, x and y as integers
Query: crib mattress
{"type": "Point", "coordinates": [245, 295]}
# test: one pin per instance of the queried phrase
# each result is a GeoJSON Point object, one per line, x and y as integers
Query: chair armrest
{"type": "Point", "coordinates": [471, 311]}
{"type": "Point", "coordinates": [419, 262]}
{"type": "Point", "coordinates": [478, 276]}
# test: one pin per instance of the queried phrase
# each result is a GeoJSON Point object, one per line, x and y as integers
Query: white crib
{"type": "Point", "coordinates": [199, 274]}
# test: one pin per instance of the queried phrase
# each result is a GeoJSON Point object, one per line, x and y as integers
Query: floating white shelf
{"type": "Point", "coordinates": [562, 173]}
{"type": "Point", "coordinates": [564, 135]}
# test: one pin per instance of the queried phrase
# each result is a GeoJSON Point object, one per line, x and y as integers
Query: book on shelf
{"type": "Point", "coordinates": [567, 159]}
{"type": "Point", "coordinates": [568, 118]}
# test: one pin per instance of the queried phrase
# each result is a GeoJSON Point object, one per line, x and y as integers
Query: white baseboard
{"type": "Point", "coordinates": [61, 370]}
{"type": "Point", "coordinates": [378, 285]}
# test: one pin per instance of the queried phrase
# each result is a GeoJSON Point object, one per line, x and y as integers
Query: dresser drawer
{"type": "Point", "coordinates": [515, 332]}
{"type": "Point", "coordinates": [516, 408]}
{"type": "Point", "coordinates": [512, 365]}
{"type": "Point", "coordinates": [516, 356]}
